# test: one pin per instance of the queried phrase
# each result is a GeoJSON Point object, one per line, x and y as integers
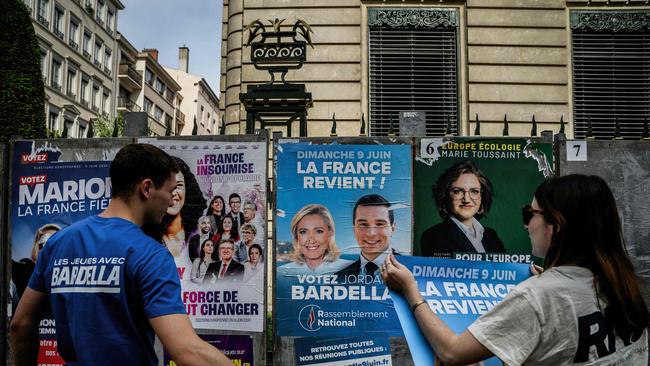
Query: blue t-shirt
{"type": "Point", "coordinates": [105, 279]}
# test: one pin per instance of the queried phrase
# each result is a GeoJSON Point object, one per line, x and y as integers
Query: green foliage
{"type": "Point", "coordinates": [22, 95]}
{"type": "Point", "coordinates": [103, 127]}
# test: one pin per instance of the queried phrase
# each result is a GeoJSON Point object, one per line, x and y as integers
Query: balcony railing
{"type": "Point", "coordinates": [58, 33]}
{"type": "Point", "coordinates": [56, 86]}
{"type": "Point", "coordinates": [180, 117]}
{"type": "Point", "coordinates": [95, 108]}
{"type": "Point", "coordinates": [108, 29]}
{"type": "Point", "coordinates": [84, 103]}
{"type": "Point", "coordinates": [128, 104]}
{"type": "Point", "coordinates": [86, 54]}
{"type": "Point", "coordinates": [73, 44]}
{"type": "Point", "coordinates": [97, 63]}
{"type": "Point", "coordinates": [126, 69]}
{"type": "Point", "coordinates": [170, 98]}
{"type": "Point", "coordinates": [99, 20]}
{"type": "Point", "coordinates": [43, 21]}
{"type": "Point", "coordinates": [71, 95]}
{"type": "Point", "coordinates": [108, 71]}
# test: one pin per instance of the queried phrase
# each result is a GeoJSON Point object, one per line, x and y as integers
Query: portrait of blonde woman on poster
{"type": "Point", "coordinates": [200, 265]}
{"type": "Point", "coordinates": [463, 195]}
{"type": "Point", "coordinates": [180, 220]}
{"type": "Point", "coordinates": [22, 270]}
{"type": "Point", "coordinates": [314, 245]}
{"type": "Point", "coordinates": [585, 307]}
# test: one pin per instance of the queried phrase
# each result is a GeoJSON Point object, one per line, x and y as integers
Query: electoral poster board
{"type": "Point", "coordinates": [218, 215]}
{"type": "Point", "coordinates": [53, 184]}
{"type": "Point", "coordinates": [339, 206]}
{"type": "Point", "coordinates": [488, 179]}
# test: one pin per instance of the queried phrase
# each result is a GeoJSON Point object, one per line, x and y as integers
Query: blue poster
{"type": "Point", "coordinates": [342, 351]}
{"type": "Point", "coordinates": [48, 194]}
{"type": "Point", "coordinates": [341, 209]}
{"type": "Point", "coordinates": [459, 292]}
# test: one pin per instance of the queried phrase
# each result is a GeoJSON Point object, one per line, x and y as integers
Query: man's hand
{"type": "Point", "coordinates": [24, 327]}
{"type": "Point", "coordinates": [186, 348]}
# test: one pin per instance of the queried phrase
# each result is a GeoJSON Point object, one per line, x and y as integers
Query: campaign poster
{"type": "Point", "coordinates": [216, 231]}
{"type": "Point", "coordinates": [48, 194]}
{"type": "Point", "coordinates": [458, 292]}
{"type": "Point", "coordinates": [469, 193]}
{"type": "Point", "coordinates": [342, 351]}
{"type": "Point", "coordinates": [341, 209]}
{"type": "Point", "coordinates": [238, 348]}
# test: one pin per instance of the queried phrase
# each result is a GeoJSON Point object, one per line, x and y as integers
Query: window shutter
{"type": "Point", "coordinates": [413, 66]}
{"type": "Point", "coordinates": [611, 72]}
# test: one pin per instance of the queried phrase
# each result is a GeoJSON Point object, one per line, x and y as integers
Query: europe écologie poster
{"type": "Point", "coordinates": [473, 187]}
{"type": "Point", "coordinates": [216, 231]}
{"type": "Point", "coordinates": [341, 209]}
{"type": "Point", "coordinates": [51, 189]}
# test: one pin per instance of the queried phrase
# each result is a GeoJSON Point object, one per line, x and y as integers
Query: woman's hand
{"type": "Point", "coordinates": [399, 278]}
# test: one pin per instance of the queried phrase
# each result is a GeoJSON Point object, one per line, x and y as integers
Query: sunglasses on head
{"type": "Point", "coordinates": [527, 213]}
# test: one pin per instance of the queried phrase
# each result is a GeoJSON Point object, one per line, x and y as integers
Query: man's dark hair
{"type": "Point", "coordinates": [373, 200]}
{"type": "Point", "coordinates": [441, 190]}
{"type": "Point", "coordinates": [135, 162]}
{"type": "Point", "coordinates": [233, 195]}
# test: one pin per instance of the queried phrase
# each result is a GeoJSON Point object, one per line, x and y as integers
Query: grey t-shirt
{"type": "Point", "coordinates": [555, 319]}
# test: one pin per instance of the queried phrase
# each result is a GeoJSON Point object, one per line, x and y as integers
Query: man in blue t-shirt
{"type": "Point", "coordinates": [109, 285]}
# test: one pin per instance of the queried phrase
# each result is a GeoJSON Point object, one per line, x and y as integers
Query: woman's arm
{"type": "Point", "coordinates": [451, 348]}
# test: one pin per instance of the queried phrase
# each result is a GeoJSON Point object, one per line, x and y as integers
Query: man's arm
{"type": "Point", "coordinates": [185, 347]}
{"type": "Point", "coordinates": [24, 327]}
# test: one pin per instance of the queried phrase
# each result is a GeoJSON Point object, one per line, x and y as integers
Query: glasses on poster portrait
{"type": "Point", "coordinates": [459, 193]}
{"type": "Point", "coordinates": [245, 232]}
{"type": "Point", "coordinates": [527, 213]}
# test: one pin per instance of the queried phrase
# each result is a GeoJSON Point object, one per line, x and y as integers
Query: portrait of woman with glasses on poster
{"type": "Point", "coordinates": [463, 195]}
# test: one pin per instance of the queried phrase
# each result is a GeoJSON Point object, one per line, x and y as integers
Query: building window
{"type": "Point", "coordinates": [148, 76]}
{"type": "Point", "coordinates": [107, 59]}
{"type": "Point", "coordinates": [59, 16]}
{"type": "Point", "coordinates": [71, 87]}
{"type": "Point", "coordinates": [159, 86]}
{"type": "Point", "coordinates": [42, 13]}
{"type": "Point", "coordinates": [611, 73]}
{"type": "Point", "coordinates": [97, 55]}
{"type": "Point", "coordinates": [109, 20]}
{"type": "Point", "coordinates": [85, 90]}
{"type": "Point", "coordinates": [157, 114]}
{"type": "Point", "coordinates": [413, 66]}
{"type": "Point", "coordinates": [28, 3]}
{"type": "Point", "coordinates": [95, 98]}
{"type": "Point", "coordinates": [56, 74]}
{"type": "Point", "coordinates": [106, 102]}
{"type": "Point", "coordinates": [44, 67]}
{"type": "Point", "coordinates": [148, 104]}
{"type": "Point", "coordinates": [99, 14]}
{"type": "Point", "coordinates": [83, 129]}
{"type": "Point", "coordinates": [86, 44]}
{"type": "Point", "coordinates": [73, 34]}
{"type": "Point", "coordinates": [52, 120]}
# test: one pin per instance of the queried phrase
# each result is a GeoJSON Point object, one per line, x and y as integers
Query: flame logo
{"type": "Point", "coordinates": [307, 318]}
{"type": "Point", "coordinates": [311, 319]}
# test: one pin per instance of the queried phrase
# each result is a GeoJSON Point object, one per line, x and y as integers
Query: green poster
{"type": "Point", "coordinates": [469, 193]}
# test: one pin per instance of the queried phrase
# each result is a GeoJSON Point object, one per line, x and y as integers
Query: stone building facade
{"type": "Point", "coordinates": [78, 45]}
{"type": "Point", "coordinates": [506, 59]}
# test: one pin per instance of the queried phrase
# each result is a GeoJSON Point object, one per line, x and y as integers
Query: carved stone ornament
{"type": "Point", "coordinates": [412, 18]}
{"type": "Point", "coordinates": [613, 21]}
